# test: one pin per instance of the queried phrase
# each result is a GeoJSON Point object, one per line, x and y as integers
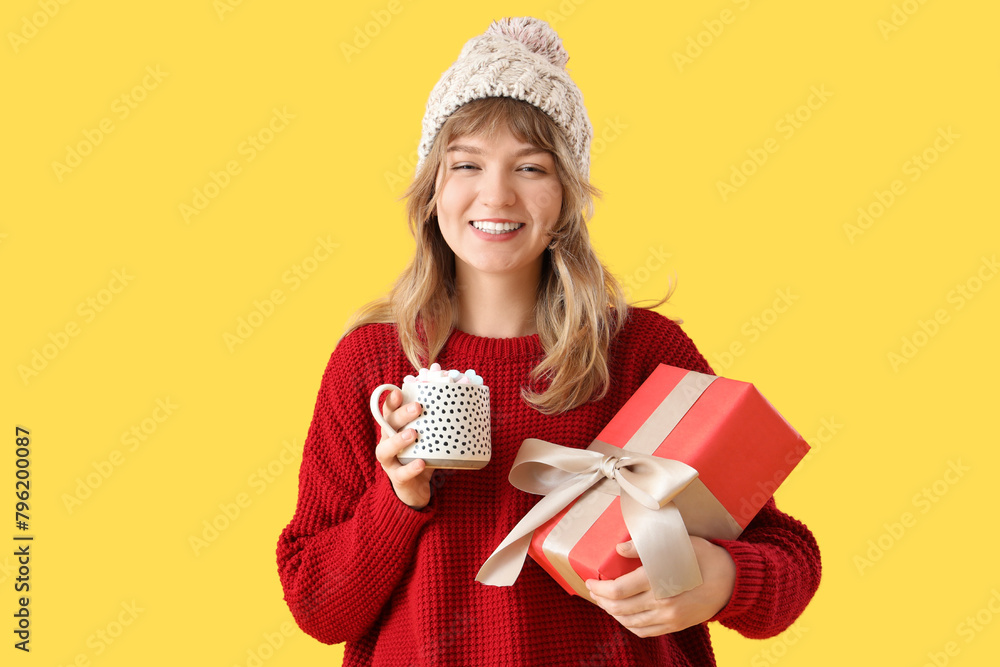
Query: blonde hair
{"type": "Point", "coordinates": [580, 306]}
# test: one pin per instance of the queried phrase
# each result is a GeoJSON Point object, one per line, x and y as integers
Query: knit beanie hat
{"type": "Point", "coordinates": [522, 58]}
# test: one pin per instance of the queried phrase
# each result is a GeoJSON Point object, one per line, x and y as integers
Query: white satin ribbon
{"type": "Point", "coordinates": [647, 485]}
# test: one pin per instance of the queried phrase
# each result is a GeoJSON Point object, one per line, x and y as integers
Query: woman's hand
{"type": "Point", "coordinates": [412, 481]}
{"type": "Point", "coordinates": [629, 598]}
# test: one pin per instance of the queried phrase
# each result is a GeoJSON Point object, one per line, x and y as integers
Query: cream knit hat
{"type": "Point", "coordinates": [522, 58]}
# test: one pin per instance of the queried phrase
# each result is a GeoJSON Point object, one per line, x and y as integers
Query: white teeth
{"type": "Point", "coordinates": [496, 227]}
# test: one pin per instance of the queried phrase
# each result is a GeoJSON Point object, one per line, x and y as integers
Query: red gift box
{"type": "Point", "coordinates": [729, 450]}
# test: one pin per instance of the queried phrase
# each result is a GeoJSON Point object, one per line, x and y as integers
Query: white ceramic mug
{"type": "Point", "coordinates": [453, 430]}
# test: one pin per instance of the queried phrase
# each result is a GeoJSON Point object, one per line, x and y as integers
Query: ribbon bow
{"type": "Point", "coordinates": [647, 486]}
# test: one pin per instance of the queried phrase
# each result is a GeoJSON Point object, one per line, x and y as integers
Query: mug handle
{"type": "Point", "coordinates": [376, 395]}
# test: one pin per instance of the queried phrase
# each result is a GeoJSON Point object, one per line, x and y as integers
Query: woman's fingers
{"type": "Point", "coordinates": [396, 414]}
{"type": "Point", "coordinates": [404, 415]}
{"type": "Point", "coordinates": [411, 482]}
{"type": "Point", "coordinates": [633, 604]}
{"type": "Point", "coordinates": [391, 403]}
{"type": "Point", "coordinates": [624, 587]}
{"type": "Point", "coordinates": [389, 407]}
{"type": "Point", "coordinates": [389, 448]}
{"type": "Point", "coordinates": [410, 471]}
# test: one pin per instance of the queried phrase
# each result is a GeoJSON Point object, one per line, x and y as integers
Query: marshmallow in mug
{"type": "Point", "coordinates": [436, 375]}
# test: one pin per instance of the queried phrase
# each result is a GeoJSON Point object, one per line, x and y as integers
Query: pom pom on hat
{"type": "Point", "coordinates": [534, 33]}
{"type": "Point", "coordinates": [518, 57]}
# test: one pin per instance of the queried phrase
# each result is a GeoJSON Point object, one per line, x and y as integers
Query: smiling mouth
{"type": "Point", "coordinates": [496, 227]}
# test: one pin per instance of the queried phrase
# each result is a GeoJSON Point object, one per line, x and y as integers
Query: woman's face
{"type": "Point", "coordinates": [499, 201]}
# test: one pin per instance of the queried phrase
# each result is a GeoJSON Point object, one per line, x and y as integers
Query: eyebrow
{"type": "Point", "coordinates": [474, 150]}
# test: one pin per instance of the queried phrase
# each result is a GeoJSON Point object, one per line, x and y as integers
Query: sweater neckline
{"type": "Point", "coordinates": [481, 346]}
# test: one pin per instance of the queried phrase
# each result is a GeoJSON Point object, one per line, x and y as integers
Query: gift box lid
{"type": "Point", "coordinates": [740, 445]}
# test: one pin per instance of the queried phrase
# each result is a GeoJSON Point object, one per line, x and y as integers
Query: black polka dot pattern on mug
{"type": "Point", "coordinates": [455, 422]}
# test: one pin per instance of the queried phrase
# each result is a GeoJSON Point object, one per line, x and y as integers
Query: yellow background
{"type": "Point", "coordinates": [671, 132]}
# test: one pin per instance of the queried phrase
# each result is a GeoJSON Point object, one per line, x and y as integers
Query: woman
{"type": "Point", "coordinates": [383, 556]}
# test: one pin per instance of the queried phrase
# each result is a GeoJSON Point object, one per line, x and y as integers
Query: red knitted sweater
{"type": "Point", "coordinates": [398, 585]}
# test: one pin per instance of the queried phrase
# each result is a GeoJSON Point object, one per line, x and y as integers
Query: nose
{"type": "Point", "coordinates": [497, 191]}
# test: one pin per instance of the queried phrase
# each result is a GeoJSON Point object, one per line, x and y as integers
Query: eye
{"type": "Point", "coordinates": [463, 167]}
{"type": "Point", "coordinates": [534, 169]}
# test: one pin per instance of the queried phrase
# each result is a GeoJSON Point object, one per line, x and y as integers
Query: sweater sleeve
{"type": "Point", "coordinates": [351, 539]}
{"type": "Point", "coordinates": [777, 573]}
{"type": "Point", "coordinates": [777, 558]}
